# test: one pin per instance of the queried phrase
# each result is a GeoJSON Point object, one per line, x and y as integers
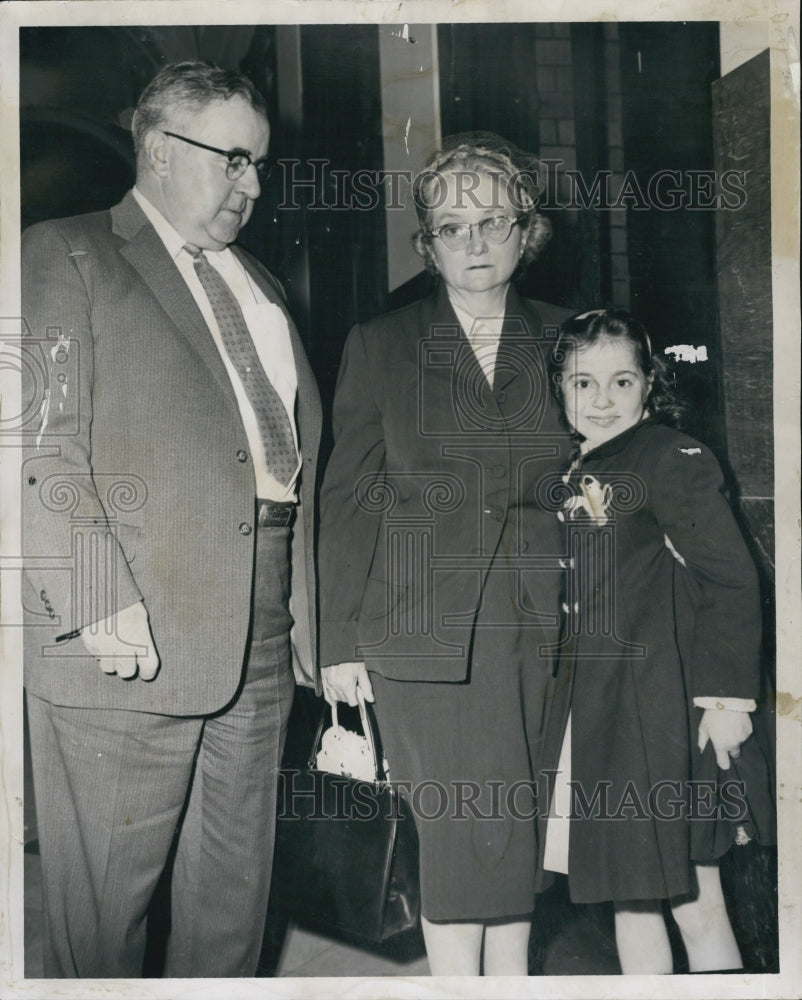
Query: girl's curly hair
{"type": "Point", "coordinates": [588, 328]}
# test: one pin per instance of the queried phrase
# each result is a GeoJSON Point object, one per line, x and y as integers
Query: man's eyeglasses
{"type": "Point", "coordinates": [238, 159]}
{"type": "Point", "coordinates": [457, 235]}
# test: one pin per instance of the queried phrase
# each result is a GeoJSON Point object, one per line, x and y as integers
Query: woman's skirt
{"type": "Point", "coordinates": [467, 758]}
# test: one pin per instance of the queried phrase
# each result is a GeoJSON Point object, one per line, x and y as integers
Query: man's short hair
{"type": "Point", "coordinates": [189, 86]}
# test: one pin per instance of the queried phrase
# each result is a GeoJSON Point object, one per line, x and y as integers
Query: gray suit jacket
{"type": "Point", "coordinates": [138, 483]}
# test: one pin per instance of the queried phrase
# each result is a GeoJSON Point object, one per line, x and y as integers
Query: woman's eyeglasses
{"type": "Point", "coordinates": [457, 235]}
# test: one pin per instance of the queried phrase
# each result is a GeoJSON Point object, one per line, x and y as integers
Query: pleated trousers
{"type": "Point", "coordinates": [114, 788]}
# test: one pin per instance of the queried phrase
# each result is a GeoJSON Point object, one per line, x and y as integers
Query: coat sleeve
{"type": "Point", "coordinates": [73, 560]}
{"type": "Point", "coordinates": [349, 528]}
{"type": "Point", "coordinates": [718, 601]}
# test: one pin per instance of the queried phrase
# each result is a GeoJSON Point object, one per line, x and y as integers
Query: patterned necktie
{"type": "Point", "coordinates": [271, 416]}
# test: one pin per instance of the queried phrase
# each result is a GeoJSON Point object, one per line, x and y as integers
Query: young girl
{"type": "Point", "coordinates": [660, 655]}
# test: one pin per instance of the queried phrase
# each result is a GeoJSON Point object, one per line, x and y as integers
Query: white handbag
{"type": "Point", "coordinates": [347, 753]}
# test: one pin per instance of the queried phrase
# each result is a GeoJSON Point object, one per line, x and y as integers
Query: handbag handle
{"type": "Point", "coordinates": [370, 730]}
{"type": "Point", "coordinates": [367, 728]}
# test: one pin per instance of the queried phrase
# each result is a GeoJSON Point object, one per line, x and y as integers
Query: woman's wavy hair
{"type": "Point", "coordinates": [588, 328]}
{"type": "Point", "coordinates": [489, 154]}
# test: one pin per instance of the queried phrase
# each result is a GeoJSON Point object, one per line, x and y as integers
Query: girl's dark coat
{"type": "Point", "coordinates": [647, 634]}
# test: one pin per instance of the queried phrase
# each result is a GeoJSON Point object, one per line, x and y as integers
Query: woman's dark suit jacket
{"type": "Point", "coordinates": [431, 537]}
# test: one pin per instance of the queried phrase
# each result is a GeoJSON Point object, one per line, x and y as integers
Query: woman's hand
{"type": "Point", "coordinates": [726, 730]}
{"type": "Point", "coordinates": [341, 681]}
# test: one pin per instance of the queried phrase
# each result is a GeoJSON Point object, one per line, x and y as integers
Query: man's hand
{"type": "Point", "coordinates": [726, 730]}
{"type": "Point", "coordinates": [341, 680]}
{"type": "Point", "coordinates": [114, 642]}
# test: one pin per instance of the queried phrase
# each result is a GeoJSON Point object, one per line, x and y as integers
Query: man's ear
{"type": "Point", "coordinates": [155, 148]}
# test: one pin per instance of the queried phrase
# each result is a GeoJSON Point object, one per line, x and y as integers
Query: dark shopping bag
{"type": "Point", "coordinates": [346, 856]}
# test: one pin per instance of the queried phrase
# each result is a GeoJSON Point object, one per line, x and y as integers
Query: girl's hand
{"type": "Point", "coordinates": [341, 680]}
{"type": "Point", "coordinates": [726, 730]}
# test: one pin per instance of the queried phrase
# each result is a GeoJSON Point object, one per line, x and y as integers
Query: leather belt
{"type": "Point", "coordinates": [275, 514]}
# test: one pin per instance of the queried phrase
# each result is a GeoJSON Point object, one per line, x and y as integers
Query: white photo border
{"type": "Point", "coordinates": [782, 19]}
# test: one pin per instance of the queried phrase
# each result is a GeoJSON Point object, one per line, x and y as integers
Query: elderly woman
{"type": "Point", "coordinates": [439, 575]}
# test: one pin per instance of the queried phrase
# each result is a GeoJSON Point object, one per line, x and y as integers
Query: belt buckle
{"type": "Point", "coordinates": [275, 514]}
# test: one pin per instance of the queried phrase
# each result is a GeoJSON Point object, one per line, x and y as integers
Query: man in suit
{"type": "Point", "coordinates": [168, 507]}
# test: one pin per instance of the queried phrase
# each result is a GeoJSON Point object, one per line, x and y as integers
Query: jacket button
{"type": "Point", "coordinates": [501, 396]}
{"type": "Point", "coordinates": [245, 528]}
{"type": "Point", "coordinates": [242, 456]}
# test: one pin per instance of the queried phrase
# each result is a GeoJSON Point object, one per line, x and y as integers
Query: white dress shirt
{"type": "Point", "coordinates": [268, 328]}
{"type": "Point", "coordinates": [484, 335]}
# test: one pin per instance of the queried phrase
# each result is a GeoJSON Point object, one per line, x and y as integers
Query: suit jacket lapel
{"type": "Point", "coordinates": [520, 332]}
{"type": "Point", "coordinates": [146, 253]}
{"type": "Point", "coordinates": [521, 377]}
{"type": "Point", "coordinates": [470, 369]}
{"type": "Point", "coordinates": [519, 335]}
{"type": "Point", "coordinates": [466, 362]}
{"type": "Point", "coordinates": [449, 383]}
{"type": "Point", "coordinates": [144, 250]}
